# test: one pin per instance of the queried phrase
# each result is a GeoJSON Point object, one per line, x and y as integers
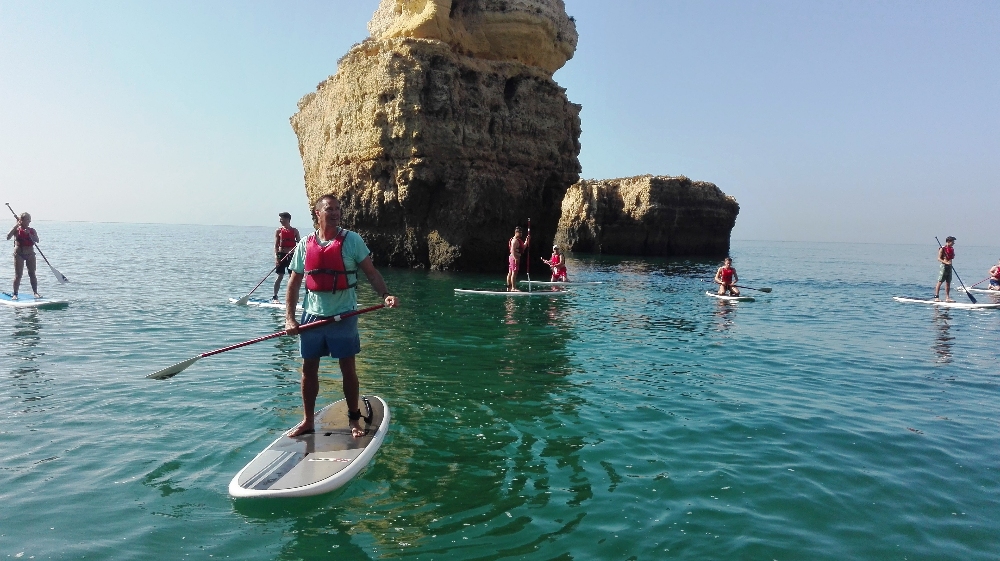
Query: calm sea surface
{"type": "Point", "coordinates": [639, 419]}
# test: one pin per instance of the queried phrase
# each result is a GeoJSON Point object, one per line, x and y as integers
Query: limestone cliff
{"type": "Point", "coordinates": [436, 148]}
{"type": "Point", "coordinates": [647, 215]}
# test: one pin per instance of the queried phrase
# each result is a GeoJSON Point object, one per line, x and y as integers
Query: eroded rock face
{"type": "Point", "coordinates": [437, 155]}
{"type": "Point", "coordinates": [647, 215]}
{"type": "Point", "coordinates": [534, 32]}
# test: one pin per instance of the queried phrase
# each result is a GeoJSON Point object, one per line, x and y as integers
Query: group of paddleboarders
{"type": "Point", "coordinates": [25, 238]}
{"type": "Point", "coordinates": [517, 245]}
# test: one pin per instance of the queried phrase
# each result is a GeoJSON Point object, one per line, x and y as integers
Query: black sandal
{"type": "Point", "coordinates": [356, 414]}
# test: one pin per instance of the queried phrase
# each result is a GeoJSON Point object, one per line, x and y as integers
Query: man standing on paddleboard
{"type": "Point", "coordinates": [516, 247]}
{"type": "Point", "coordinates": [727, 278]}
{"type": "Point", "coordinates": [25, 239]}
{"type": "Point", "coordinates": [329, 260]}
{"type": "Point", "coordinates": [285, 239]}
{"type": "Point", "coordinates": [945, 255]}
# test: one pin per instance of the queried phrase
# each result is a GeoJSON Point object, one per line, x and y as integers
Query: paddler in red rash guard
{"type": "Point", "coordinates": [946, 254]}
{"type": "Point", "coordinates": [329, 260]}
{"type": "Point", "coordinates": [25, 239]}
{"type": "Point", "coordinates": [285, 239]}
{"type": "Point", "coordinates": [558, 265]}
{"type": "Point", "coordinates": [727, 278]}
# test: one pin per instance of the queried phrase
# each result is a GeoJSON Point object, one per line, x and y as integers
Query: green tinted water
{"type": "Point", "coordinates": [638, 419]}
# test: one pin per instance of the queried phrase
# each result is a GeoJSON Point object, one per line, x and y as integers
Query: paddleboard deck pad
{"type": "Point", "coordinates": [312, 464]}
{"type": "Point", "coordinates": [516, 293]}
{"type": "Point", "coordinates": [730, 298]}
{"type": "Point", "coordinates": [262, 303]}
{"type": "Point", "coordinates": [943, 304]}
{"type": "Point", "coordinates": [29, 301]}
{"type": "Point", "coordinates": [560, 283]}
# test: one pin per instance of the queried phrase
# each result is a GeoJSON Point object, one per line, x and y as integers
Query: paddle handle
{"type": "Point", "coordinates": [309, 325]}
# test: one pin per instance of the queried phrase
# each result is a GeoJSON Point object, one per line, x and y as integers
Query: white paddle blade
{"type": "Point", "coordinates": [243, 301]}
{"type": "Point", "coordinates": [173, 370]}
{"type": "Point", "coordinates": [59, 276]}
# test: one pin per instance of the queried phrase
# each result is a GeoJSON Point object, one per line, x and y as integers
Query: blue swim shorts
{"type": "Point", "coordinates": [338, 339]}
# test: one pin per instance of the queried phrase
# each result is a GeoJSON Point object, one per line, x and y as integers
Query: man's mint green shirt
{"type": "Point", "coordinates": [354, 251]}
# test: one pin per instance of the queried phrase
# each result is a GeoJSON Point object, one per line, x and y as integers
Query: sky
{"type": "Point", "coordinates": [831, 121]}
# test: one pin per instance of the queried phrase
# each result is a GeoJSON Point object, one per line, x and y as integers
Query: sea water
{"type": "Point", "coordinates": [637, 419]}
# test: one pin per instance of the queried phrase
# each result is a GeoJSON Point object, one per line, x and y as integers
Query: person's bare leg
{"type": "Point", "coordinates": [310, 389]}
{"type": "Point", "coordinates": [947, 291]}
{"type": "Point", "coordinates": [33, 278]}
{"type": "Point", "coordinates": [277, 287]}
{"type": "Point", "coordinates": [348, 369]}
{"type": "Point", "coordinates": [937, 291]}
{"type": "Point", "coordinates": [18, 271]}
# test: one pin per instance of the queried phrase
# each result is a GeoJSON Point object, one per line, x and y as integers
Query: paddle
{"type": "Point", "coordinates": [980, 282]}
{"type": "Point", "coordinates": [243, 301]}
{"type": "Point", "coordinates": [966, 290]}
{"type": "Point", "coordinates": [528, 263]}
{"type": "Point", "coordinates": [59, 276]}
{"type": "Point", "coordinates": [181, 366]}
{"type": "Point", "coordinates": [765, 289]}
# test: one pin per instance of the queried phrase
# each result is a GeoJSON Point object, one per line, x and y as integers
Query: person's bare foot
{"type": "Point", "coordinates": [13, 297]}
{"type": "Point", "coordinates": [37, 295]}
{"type": "Point", "coordinates": [949, 300]}
{"type": "Point", "coordinates": [356, 430]}
{"type": "Point", "coordinates": [305, 427]}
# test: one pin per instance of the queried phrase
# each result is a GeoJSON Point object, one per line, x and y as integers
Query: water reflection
{"type": "Point", "coordinates": [944, 340]}
{"type": "Point", "coordinates": [27, 378]}
{"type": "Point", "coordinates": [724, 317]}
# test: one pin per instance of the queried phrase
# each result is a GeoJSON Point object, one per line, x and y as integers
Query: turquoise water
{"type": "Point", "coordinates": [639, 419]}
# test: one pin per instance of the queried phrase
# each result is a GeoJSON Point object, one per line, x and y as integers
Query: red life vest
{"type": "Point", "coordinates": [949, 252]}
{"type": "Point", "coordinates": [324, 267]}
{"type": "Point", "coordinates": [995, 273]}
{"type": "Point", "coordinates": [23, 237]}
{"type": "Point", "coordinates": [557, 262]}
{"type": "Point", "coordinates": [286, 237]}
{"type": "Point", "coordinates": [727, 275]}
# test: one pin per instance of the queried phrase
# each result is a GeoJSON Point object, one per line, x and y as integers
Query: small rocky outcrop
{"type": "Point", "coordinates": [647, 215]}
{"type": "Point", "coordinates": [444, 130]}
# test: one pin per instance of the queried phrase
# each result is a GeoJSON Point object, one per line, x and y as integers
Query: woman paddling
{"type": "Point", "coordinates": [25, 239]}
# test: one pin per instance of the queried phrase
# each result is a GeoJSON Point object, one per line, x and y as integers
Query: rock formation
{"type": "Point", "coordinates": [647, 215]}
{"type": "Point", "coordinates": [444, 130]}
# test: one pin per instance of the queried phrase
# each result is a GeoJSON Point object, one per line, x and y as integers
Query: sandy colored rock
{"type": "Point", "coordinates": [437, 155]}
{"type": "Point", "coordinates": [535, 32]}
{"type": "Point", "coordinates": [647, 215]}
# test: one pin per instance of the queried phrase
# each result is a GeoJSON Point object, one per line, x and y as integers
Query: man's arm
{"type": "Point", "coordinates": [277, 241]}
{"type": "Point", "coordinates": [292, 301]}
{"type": "Point", "coordinates": [377, 282]}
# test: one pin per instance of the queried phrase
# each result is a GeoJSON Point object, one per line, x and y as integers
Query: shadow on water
{"type": "Point", "coordinates": [944, 340]}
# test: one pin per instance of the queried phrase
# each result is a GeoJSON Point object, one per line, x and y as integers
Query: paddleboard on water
{"type": "Point", "coordinates": [516, 293]}
{"type": "Point", "coordinates": [984, 290]}
{"type": "Point", "coordinates": [29, 301]}
{"type": "Point", "coordinates": [262, 303]}
{"type": "Point", "coordinates": [559, 283]}
{"type": "Point", "coordinates": [943, 304]}
{"type": "Point", "coordinates": [731, 298]}
{"type": "Point", "coordinates": [315, 463]}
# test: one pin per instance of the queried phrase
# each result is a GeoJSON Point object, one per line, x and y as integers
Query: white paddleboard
{"type": "Point", "coordinates": [983, 290]}
{"type": "Point", "coordinates": [315, 463]}
{"type": "Point", "coordinates": [943, 304]}
{"type": "Point", "coordinates": [262, 303]}
{"type": "Point", "coordinates": [730, 298]}
{"type": "Point", "coordinates": [521, 293]}
{"type": "Point", "coordinates": [560, 283]}
{"type": "Point", "coordinates": [29, 301]}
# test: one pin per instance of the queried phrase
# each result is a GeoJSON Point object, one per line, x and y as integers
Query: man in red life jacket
{"type": "Point", "coordinates": [25, 239]}
{"type": "Point", "coordinates": [945, 256]}
{"type": "Point", "coordinates": [516, 247]}
{"type": "Point", "coordinates": [727, 278]}
{"type": "Point", "coordinates": [285, 239]}
{"type": "Point", "coordinates": [558, 265]}
{"type": "Point", "coordinates": [328, 260]}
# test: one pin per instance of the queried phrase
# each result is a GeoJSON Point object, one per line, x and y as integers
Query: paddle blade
{"type": "Point", "coordinates": [243, 301]}
{"type": "Point", "coordinates": [59, 276]}
{"type": "Point", "coordinates": [173, 370]}
{"type": "Point", "coordinates": [971, 297]}
{"type": "Point", "coordinates": [764, 289]}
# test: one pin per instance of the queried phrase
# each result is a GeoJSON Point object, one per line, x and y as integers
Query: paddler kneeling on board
{"type": "Point", "coordinates": [995, 277]}
{"type": "Point", "coordinates": [329, 260]}
{"type": "Point", "coordinates": [25, 239]}
{"type": "Point", "coordinates": [516, 247]}
{"type": "Point", "coordinates": [558, 265]}
{"type": "Point", "coordinates": [727, 278]}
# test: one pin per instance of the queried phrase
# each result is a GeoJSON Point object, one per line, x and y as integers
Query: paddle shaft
{"type": "Point", "coordinates": [61, 277]}
{"type": "Point", "coordinates": [303, 327]}
{"type": "Point", "coordinates": [528, 261]}
{"type": "Point", "coordinates": [980, 282]}
{"type": "Point", "coordinates": [273, 269]}
{"type": "Point", "coordinates": [966, 290]}
{"type": "Point", "coordinates": [765, 289]}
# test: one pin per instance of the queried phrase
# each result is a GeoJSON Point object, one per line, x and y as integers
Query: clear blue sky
{"type": "Point", "coordinates": [828, 121]}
